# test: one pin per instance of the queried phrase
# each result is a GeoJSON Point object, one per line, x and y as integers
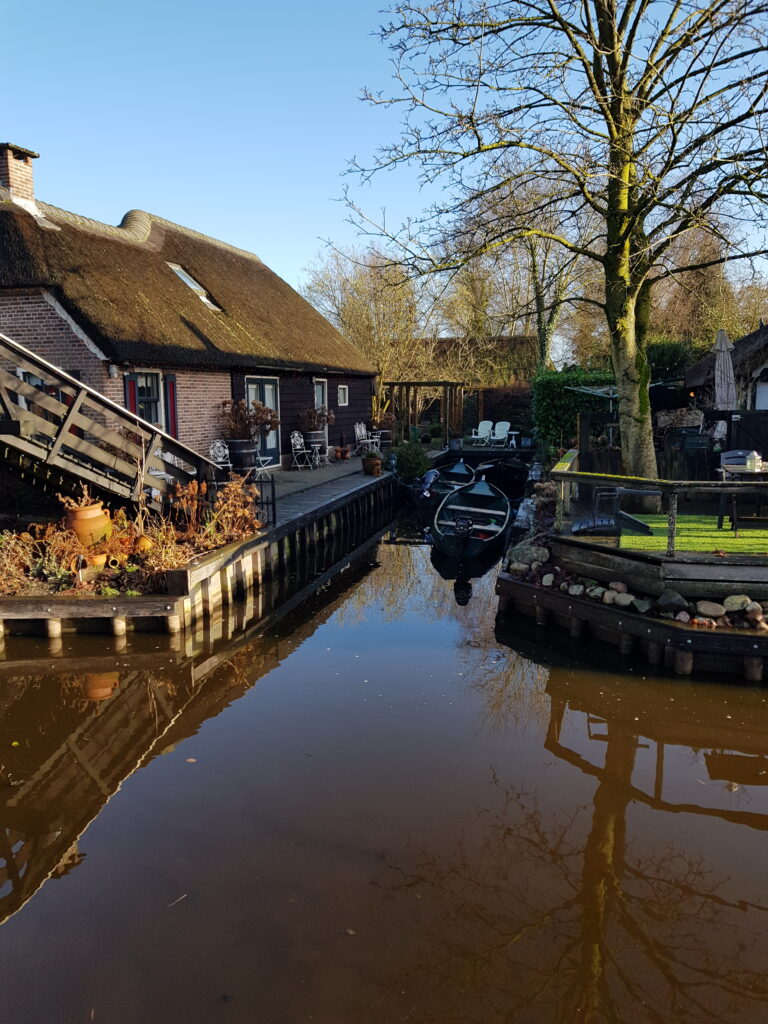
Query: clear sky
{"type": "Point", "coordinates": [233, 118]}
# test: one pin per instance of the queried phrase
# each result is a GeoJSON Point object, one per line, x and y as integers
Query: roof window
{"type": "Point", "coordinates": [198, 289]}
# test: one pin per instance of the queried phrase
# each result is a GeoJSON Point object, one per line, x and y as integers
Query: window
{"type": "Point", "coordinates": [343, 394]}
{"type": "Point", "coordinates": [198, 289]}
{"type": "Point", "coordinates": [143, 395]}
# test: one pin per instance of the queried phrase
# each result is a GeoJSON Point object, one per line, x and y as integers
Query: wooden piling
{"type": "Point", "coordinates": [753, 669]}
{"type": "Point", "coordinates": [683, 662]}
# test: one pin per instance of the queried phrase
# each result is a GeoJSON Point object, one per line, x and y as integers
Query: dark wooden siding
{"type": "Point", "coordinates": [297, 391]}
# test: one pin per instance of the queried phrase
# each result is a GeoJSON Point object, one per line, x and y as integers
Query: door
{"type": "Point", "coordinates": [265, 390]}
{"type": "Point", "coordinates": [321, 398]}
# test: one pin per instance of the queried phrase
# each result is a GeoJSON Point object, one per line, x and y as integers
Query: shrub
{"type": "Point", "coordinates": [410, 461]}
{"type": "Point", "coordinates": [436, 430]}
{"type": "Point", "coordinates": [554, 407]}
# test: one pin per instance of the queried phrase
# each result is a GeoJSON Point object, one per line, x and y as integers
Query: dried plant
{"type": "Point", "coordinates": [190, 506]}
{"type": "Point", "coordinates": [84, 500]}
{"type": "Point", "coordinates": [235, 513]}
{"type": "Point", "coordinates": [241, 422]}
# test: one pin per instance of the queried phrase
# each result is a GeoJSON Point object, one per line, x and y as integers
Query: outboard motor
{"type": "Point", "coordinates": [422, 485]}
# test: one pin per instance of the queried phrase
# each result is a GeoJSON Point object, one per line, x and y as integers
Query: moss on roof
{"type": "Point", "coordinates": [116, 283]}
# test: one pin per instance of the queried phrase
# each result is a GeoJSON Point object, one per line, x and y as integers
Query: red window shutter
{"type": "Point", "coordinates": [131, 396]}
{"type": "Point", "coordinates": [171, 411]}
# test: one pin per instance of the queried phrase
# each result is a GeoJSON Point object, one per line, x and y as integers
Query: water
{"type": "Point", "coordinates": [384, 808]}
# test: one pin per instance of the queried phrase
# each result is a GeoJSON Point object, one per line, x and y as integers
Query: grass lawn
{"type": "Point", "coordinates": [698, 533]}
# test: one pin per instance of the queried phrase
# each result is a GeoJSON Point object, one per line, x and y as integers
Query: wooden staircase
{"type": "Point", "coordinates": [57, 433]}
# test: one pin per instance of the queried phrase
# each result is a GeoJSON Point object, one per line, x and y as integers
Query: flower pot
{"type": "Point", "coordinates": [454, 444]}
{"type": "Point", "coordinates": [242, 455]}
{"type": "Point", "coordinates": [101, 685]}
{"type": "Point", "coordinates": [97, 561]}
{"type": "Point", "coordinates": [372, 467]}
{"type": "Point", "coordinates": [90, 524]}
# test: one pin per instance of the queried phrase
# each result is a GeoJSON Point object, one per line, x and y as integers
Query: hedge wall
{"type": "Point", "coordinates": [554, 408]}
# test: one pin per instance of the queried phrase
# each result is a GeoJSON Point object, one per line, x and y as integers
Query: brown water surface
{"type": "Point", "coordinates": [383, 807]}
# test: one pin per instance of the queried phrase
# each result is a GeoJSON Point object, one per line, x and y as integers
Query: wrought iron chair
{"type": "Point", "coordinates": [302, 456]}
{"type": "Point", "coordinates": [365, 440]}
{"type": "Point", "coordinates": [324, 455]}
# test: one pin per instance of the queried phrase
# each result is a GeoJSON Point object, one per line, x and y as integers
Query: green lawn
{"type": "Point", "coordinates": [699, 533]}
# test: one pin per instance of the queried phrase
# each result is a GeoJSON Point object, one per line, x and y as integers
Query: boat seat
{"type": "Point", "coordinates": [480, 526]}
{"type": "Point", "coordinates": [475, 511]}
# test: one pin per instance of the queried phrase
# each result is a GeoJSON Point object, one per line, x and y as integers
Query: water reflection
{"type": "Point", "coordinates": [416, 812]}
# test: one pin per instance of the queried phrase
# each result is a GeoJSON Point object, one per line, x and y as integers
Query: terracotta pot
{"type": "Point", "coordinates": [90, 524]}
{"type": "Point", "coordinates": [101, 685]}
{"type": "Point", "coordinates": [144, 543]}
{"type": "Point", "coordinates": [97, 561]}
{"type": "Point", "coordinates": [372, 467]}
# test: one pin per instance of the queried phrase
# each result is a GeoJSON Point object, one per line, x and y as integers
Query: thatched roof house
{"type": "Point", "coordinates": [166, 302]}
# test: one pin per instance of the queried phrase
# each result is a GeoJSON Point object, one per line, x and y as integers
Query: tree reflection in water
{"type": "Point", "coordinates": [558, 916]}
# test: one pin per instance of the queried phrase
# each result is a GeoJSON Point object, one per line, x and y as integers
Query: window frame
{"type": "Point", "coordinates": [345, 389]}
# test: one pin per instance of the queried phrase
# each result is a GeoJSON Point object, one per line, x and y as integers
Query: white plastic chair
{"type": "Point", "coordinates": [364, 440]}
{"type": "Point", "coordinates": [482, 434]}
{"type": "Point", "coordinates": [500, 436]}
{"type": "Point", "coordinates": [302, 456]}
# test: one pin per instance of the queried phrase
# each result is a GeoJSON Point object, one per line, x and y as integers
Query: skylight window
{"type": "Point", "coordinates": [198, 289]}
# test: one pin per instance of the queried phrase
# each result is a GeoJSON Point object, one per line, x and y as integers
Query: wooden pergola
{"type": "Point", "coordinates": [404, 395]}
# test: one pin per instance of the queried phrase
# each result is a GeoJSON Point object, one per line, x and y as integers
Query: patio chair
{"type": "Point", "coordinates": [365, 440]}
{"type": "Point", "coordinates": [218, 452]}
{"type": "Point", "coordinates": [325, 455]}
{"type": "Point", "coordinates": [500, 435]}
{"type": "Point", "coordinates": [482, 433]}
{"type": "Point", "coordinates": [262, 465]}
{"type": "Point", "coordinates": [302, 456]}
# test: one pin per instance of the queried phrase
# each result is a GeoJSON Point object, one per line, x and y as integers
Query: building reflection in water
{"type": "Point", "coordinates": [76, 727]}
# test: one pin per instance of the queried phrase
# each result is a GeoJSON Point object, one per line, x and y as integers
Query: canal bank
{"type": "Point", "coordinates": [345, 505]}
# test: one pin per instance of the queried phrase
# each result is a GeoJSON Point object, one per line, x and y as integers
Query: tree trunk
{"type": "Point", "coordinates": [632, 373]}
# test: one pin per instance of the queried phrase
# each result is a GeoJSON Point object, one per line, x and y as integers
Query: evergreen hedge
{"type": "Point", "coordinates": [554, 408]}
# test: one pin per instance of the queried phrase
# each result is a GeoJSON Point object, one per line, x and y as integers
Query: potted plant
{"type": "Point", "coordinates": [242, 426]}
{"type": "Point", "coordinates": [372, 462]}
{"type": "Point", "coordinates": [384, 425]}
{"type": "Point", "coordinates": [313, 422]}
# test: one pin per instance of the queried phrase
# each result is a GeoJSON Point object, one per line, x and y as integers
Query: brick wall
{"type": "Point", "coordinates": [32, 321]}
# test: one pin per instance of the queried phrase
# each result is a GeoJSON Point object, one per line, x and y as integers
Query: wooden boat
{"type": "Point", "coordinates": [429, 494]}
{"type": "Point", "coordinates": [472, 520]}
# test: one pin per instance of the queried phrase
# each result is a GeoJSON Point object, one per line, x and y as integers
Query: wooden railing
{"type": "Point", "coordinates": [671, 489]}
{"type": "Point", "coordinates": [49, 419]}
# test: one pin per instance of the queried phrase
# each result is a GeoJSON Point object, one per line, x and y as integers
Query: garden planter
{"type": "Point", "coordinates": [90, 524]}
{"type": "Point", "coordinates": [314, 437]}
{"type": "Point", "coordinates": [372, 467]}
{"type": "Point", "coordinates": [242, 455]}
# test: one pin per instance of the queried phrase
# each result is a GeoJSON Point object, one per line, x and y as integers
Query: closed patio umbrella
{"type": "Point", "coordinates": [725, 379]}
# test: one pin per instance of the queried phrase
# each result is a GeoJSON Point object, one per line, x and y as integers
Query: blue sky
{"type": "Point", "coordinates": [236, 119]}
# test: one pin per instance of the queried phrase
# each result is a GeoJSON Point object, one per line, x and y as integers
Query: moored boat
{"type": "Point", "coordinates": [472, 520]}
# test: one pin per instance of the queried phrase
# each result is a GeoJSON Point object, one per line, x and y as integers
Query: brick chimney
{"type": "Point", "coordinates": [16, 172]}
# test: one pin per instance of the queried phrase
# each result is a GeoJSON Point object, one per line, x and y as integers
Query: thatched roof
{"type": "Point", "coordinates": [748, 353]}
{"type": "Point", "coordinates": [116, 284]}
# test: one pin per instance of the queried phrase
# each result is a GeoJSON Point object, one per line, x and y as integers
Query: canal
{"type": "Point", "coordinates": [377, 805]}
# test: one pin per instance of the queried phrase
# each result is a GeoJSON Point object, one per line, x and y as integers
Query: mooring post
{"type": "Point", "coordinates": [683, 662]}
{"type": "Point", "coordinates": [671, 524]}
{"type": "Point", "coordinates": [654, 653]}
{"type": "Point", "coordinates": [626, 643]}
{"type": "Point", "coordinates": [669, 656]}
{"type": "Point", "coordinates": [119, 625]}
{"type": "Point", "coordinates": [577, 627]}
{"type": "Point", "coordinates": [753, 669]}
{"type": "Point", "coordinates": [53, 628]}
{"type": "Point", "coordinates": [542, 615]}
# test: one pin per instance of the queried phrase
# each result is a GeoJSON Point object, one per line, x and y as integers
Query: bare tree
{"type": "Point", "coordinates": [649, 117]}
